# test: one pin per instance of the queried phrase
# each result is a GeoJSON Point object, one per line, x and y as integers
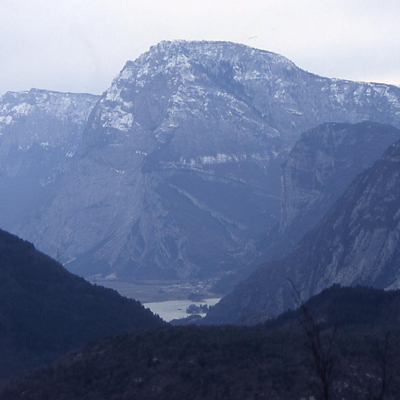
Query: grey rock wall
{"type": "Point", "coordinates": [322, 165]}
{"type": "Point", "coordinates": [178, 172]}
{"type": "Point", "coordinates": [356, 242]}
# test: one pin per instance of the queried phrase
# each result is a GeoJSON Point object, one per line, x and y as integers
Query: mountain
{"type": "Point", "coordinates": [178, 174]}
{"type": "Point", "coordinates": [319, 168]}
{"type": "Point", "coordinates": [45, 311]}
{"type": "Point", "coordinates": [40, 131]}
{"type": "Point", "coordinates": [356, 242]}
{"type": "Point", "coordinates": [273, 361]}
{"type": "Point", "coordinates": [322, 165]}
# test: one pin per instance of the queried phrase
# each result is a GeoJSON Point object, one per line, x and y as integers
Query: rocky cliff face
{"type": "Point", "coordinates": [357, 242]}
{"type": "Point", "coordinates": [180, 164]}
{"type": "Point", "coordinates": [40, 131]}
{"type": "Point", "coordinates": [321, 166]}
{"type": "Point", "coordinates": [318, 170]}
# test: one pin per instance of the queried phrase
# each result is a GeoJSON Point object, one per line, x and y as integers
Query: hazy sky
{"type": "Point", "coordinates": [80, 45]}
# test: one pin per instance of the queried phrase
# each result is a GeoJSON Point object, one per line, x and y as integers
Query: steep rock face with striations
{"type": "Point", "coordinates": [321, 166]}
{"type": "Point", "coordinates": [180, 164]}
{"type": "Point", "coordinates": [39, 133]}
{"type": "Point", "coordinates": [356, 242]}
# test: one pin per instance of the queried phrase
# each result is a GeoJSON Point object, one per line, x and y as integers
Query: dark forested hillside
{"type": "Point", "coordinates": [354, 331]}
{"type": "Point", "coordinates": [46, 311]}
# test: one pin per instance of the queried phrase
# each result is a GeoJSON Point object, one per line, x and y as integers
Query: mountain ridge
{"type": "Point", "coordinates": [45, 311]}
{"type": "Point", "coordinates": [179, 126]}
{"type": "Point", "coordinates": [40, 132]}
{"type": "Point", "coordinates": [356, 242]}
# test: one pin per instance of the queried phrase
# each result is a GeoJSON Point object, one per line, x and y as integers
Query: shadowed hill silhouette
{"type": "Point", "coordinates": [46, 311]}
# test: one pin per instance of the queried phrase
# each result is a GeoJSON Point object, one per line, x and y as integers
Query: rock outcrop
{"type": "Point", "coordinates": [178, 173]}
{"type": "Point", "coordinates": [356, 242]}
{"type": "Point", "coordinates": [321, 166]}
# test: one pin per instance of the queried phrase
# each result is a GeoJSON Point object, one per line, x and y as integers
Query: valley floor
{"type": "Point", "coordinates": [159, 291]}
{"type": "Point", "coordinates": [167, 299]}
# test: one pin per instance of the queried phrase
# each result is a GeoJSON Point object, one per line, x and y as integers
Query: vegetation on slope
{"type": "Point", "coordinates": [271, 361]}
{"type": "Point", "coordinates": [45, 311]}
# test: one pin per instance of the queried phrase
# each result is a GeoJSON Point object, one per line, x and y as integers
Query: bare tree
{"type": "Point", "coordinates": [386, 373]}
{"type": "Point", "coordinates": [321, 348]}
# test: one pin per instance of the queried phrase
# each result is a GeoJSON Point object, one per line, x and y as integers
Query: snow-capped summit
{"type": "Point", "coordinates": [178, 172]}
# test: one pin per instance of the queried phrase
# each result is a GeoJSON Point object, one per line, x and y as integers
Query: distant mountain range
{"type": "Point", "coordinates": [45, 311]}
{"type": "Point", "coordinates": [175, 171]}
{"type": "Point", "coordinates": [356, 242]}
{"type": "Point", "coordinates": [40, 132]}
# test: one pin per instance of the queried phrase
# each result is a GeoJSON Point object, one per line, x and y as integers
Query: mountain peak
{"type": "Point", "coordinates": [211, 51]}
{"type": "Point", "coordinates": [180, 125]}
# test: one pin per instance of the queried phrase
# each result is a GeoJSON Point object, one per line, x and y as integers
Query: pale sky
{"type": "Point", "coordinates": [81, 45]}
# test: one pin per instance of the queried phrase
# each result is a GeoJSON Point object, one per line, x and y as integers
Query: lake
{"type": "Point", "coordinates": [174, 309]}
